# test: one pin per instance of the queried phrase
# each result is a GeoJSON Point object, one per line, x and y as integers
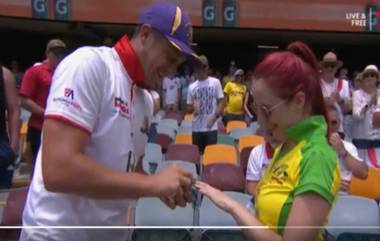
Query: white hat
{"type": "Point", "coordinates": [371, 69]}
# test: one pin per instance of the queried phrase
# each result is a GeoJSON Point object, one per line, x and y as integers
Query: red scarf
{"type": "Point", "coordinates": [130, 61]}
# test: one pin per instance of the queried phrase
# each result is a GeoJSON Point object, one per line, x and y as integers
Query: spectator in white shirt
{"type": "Point", "coordinates": [350, 162]}
{"type": "Point", "coordinates": [257, 163]}
{"type": "Point", "coordinates": [171, 89]}
{"type": "Point", "coordinates": [365, 105]}
{"type": "Point", "coordinates": [334, 90]}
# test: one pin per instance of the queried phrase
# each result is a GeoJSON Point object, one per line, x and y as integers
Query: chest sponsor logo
{"type": "Point", "coordinates": [121, 106]}
{"type": "Point", "coordinates": [279, 173]}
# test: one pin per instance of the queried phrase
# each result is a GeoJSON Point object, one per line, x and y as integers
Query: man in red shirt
{"type": "Point", "coordinates": [35, 90]}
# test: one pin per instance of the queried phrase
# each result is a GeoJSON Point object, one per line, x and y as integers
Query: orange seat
{"type": "Point", "coordinates": [183, 139]}
{"type": "Point", "coordinates": [23, 133]}
{"type": "Point", "coordinates": [235, 124]}
{"type": "Point", "coordinates": [219, 153]}
{"type": "Point", "coordinates": [189, 117]}
{"type": "Point", "coordinates": [369, 188]}
{"type": "Point", "coordinates": [250, 141]}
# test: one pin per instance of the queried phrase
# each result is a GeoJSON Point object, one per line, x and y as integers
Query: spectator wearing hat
{"type": "Point", "coordinates": [366, 106]}
{"type": "Point", "coordinates": [205, 99]}
{"type": "Point", "coordinates": [234, 93]}
{"type": "Point", "coordinates": [35, 90]}
{"type": "Point", "coordinates": [349, 161]}
{"type": "Point", "coordinates": [335, 90]}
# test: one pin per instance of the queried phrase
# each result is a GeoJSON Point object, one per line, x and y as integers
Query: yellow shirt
{"type": "Point", "coordinates": [235, 92]}
{"type": "Point", "coordinates": [310, 166]}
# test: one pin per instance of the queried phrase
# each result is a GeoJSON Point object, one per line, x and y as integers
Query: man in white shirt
{"type": "Point", "coordinates": [205, 99]}
{"type": "Point", "coordinates": [335, 91]}
{"type": "Point", "coordinates": [258, 161]}
{"type": "Point", "coordinates": [95, 127]}
{"type": "Point", "coordinates": [350, 162]}
{"type": "Point", "coordinates": [171, 92]}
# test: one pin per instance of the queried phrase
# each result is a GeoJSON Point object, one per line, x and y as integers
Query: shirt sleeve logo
{"type": "Point", "coordinates": [69, 93]}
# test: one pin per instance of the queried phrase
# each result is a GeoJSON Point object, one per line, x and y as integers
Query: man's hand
{"type": "Point", "coordinates": [210, 121]}
{"type": "Point", "coordinates": [173, 186]}
{"type": "Point", "coordinates": [337, 143]}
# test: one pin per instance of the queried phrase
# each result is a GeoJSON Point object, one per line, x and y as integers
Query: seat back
{"type": "Point", "coordinates": [188, 166]}
{"type": "Point", "coordinates": [183, 152]}
{"type": "Point", "coordinates": [153, 212]}
{"type": "Point", "coordinates": [211, 215]}
{"type": "Point", "coordinates": [238, 132]}
{"type": "Point", "coordinates": [369, 188]}
{"type": "Point", "coordinates": [174, 115]}
{"type": "Point", "coordinates": [226, 139]}
{"type": "Point", "coordinates": [244, 157]}
{"type": "Point", "coordinates": [225, 177]}
{"type": "Point", "coordinates": [164, 141]}
{"type": "Point", "coordinates": [219, 153]}
{"type": "Point", "coordinates": [353, 211]}
{"type": "Point", "coordinates": [184, 139]}
{"type": "Point", "coordinates": [249, 141]}
{"type": "Point", "coordinates": [235, 124]}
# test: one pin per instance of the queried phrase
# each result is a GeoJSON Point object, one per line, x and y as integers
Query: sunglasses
{"type": "Point", "coordinates": [267, 111]}
{"type": "Point", "coordinates": [329, 65]}
{"type": "Point", "coordinates": [370, 75]}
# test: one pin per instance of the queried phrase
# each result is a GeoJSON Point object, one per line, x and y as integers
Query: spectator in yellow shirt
{"type": "Point", "coordinates": [234, 97]}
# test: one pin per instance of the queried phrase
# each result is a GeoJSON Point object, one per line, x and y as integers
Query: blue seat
{"type": "Point", "coordinates": [354, 211]}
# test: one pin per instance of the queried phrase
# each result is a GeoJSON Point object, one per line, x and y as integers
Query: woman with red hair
{"type": "Point", "coordinates": [301, 182]}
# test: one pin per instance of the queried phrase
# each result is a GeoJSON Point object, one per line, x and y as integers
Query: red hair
{"type": "Point", "coordinates": [288, 72]}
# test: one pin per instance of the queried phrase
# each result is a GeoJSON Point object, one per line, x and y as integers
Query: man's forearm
{"type": "Point", "coordinates": [85, 177]}
{"type": "Point", "coordinates": [32, 106]}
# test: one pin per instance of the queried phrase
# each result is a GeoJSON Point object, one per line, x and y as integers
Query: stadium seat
{"type": "Point", "coordinates": [184, 139]}
{"type": "Point", "coordinates": [219, 153]}
{"type": "Point", "coordinates": [185, 130]}
{"type": "Point", "coordinates": [369, 188]}
{"type": "Point", "coordinates": [244, 158]}
{"type": "Point", "coordinates": [186, 123]}
{"type": "Point", "coordinates": [353, 211]}
{"type": "Point", "coordinates": [175, 115]}
{"type": "Point", "coordinates": [188, 117]}
{"type": "Point", "coordinates": [226, 139]}
{"type": "Point", "coordinates": [170, 123]}
{"type": "Point", "coordinates": [225, 177]}
{"type": "Point", "coordinates": [254, 127]}
{"type": "Point", "coordinates": [153, 212]}
{"type": "Point", "coordinates": [235, 124]}
{"type": "Point", "coordinates": [358, 237]}
{"type": "Point", "coordinates": [152, 157]}
{"type": "Point", "coordinates": [164, 141]}
{"type": "Point", "coordinates": [249, 141]}
{"type": "Point", "coordinates": [165, 129]}
{"type": "Point", "coordinates": [190, 167]}
{"type": "Point", "coordinates": [238, 132]}
{"type": "Point", "coordinates": [183, 152]}
{"type": "Point", "coordinates": [210, 215]}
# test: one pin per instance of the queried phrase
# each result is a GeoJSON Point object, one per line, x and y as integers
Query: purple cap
{"type": "Point", "coordinates": [171, 21]}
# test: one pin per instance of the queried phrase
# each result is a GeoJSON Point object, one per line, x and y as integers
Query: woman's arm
{"type": "Point", "coordinates": [308, 210]}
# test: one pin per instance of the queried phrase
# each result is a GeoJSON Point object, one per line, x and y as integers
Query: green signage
{"type": "Point", "coordinates": [40, 9]}
{"type": "Point", "coordinates": [62, 9]}
{"type": "Point", "coordinates": [230, 13]}
{"type": "Point", "coordinates": [209, 13]}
